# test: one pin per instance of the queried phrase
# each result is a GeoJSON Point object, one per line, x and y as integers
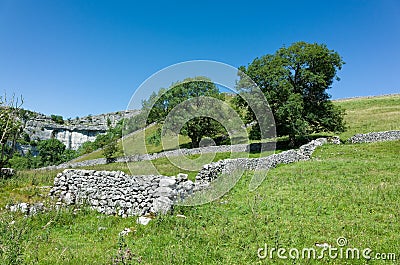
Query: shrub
{"type": "Point", "coordinates": [57, 119]}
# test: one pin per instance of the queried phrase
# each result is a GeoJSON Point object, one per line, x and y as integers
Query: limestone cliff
{"type": "Point", "coordinates": [73, 132]}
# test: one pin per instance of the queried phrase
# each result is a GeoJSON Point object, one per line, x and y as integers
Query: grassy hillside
{"type": "Point", "coordinates": [371, 114]}
{"type": "Point", "coordinates": [349, 191]}
{"type": "Point", "coordinates": [165, 167]}
{"type": "Point", "coordinates": [134, 145]}
{"type": "Point", "coordinates": [363, 115]}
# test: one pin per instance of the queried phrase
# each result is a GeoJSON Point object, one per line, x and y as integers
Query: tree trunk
{"type": "Point", "coordinates": [195, 142]}
{"type": "Point", "coordinates": [292, 140]}
{"type": "Point", "coordinates": [195, 138]}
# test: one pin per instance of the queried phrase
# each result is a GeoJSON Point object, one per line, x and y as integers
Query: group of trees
{"type": "Point", "coordinates": [294, 80]}
{"type": "Point", "coordinates": [44, 152]}
{"type": "Point", "coordinates": [12, 121]}
{"type": "Point", "coordinates": [57, 119]}
{"type": "Point", "coordinates": [54, 152]}
{"type": "Point", "coordinates": [49, 152]}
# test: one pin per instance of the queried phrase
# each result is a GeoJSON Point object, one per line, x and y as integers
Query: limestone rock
{"type": "Point", "coordinates": [74, 132]}
{"type": "Point", "coordinates": [167, 182]}
{"type": "Point", "coordinates": [162, 205]}
{"type": "Point", "coordinates": [7, 172]}
{"type": "Point", "coordinates": [143, 220]}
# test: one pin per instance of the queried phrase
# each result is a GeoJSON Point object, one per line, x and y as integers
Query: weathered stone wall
{"type": "Point", "coordinates": [6, 172]}
{"type": "Point", "coordinates": [118, 193]}
{"type": "Point", "coordinates": [211, 171]}
{"type": "Point", "coordinates": [114, 192]}
{"type": "Point", "coordinates": [375, 137]}
{"type": "Point", "coordinates": [358, 138]}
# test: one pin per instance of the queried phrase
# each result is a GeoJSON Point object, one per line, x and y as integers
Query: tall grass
{"type": "Point", "coordinates": [26, 186]}
{"type": "Point", "coordinates": [349, 191]}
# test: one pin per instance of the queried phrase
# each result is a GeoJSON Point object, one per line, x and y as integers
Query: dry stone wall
{"type": "Point", "coordinates": [375, 137]}
{"type": "Point", "coordinates": [6, 172]}
{"type": "Point", "coordinates": [211, 171]}
{"type": "Point", "coordinates": [114, 192]}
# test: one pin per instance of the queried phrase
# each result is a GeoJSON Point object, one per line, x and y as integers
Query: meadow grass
{"type": "Point", "coordinates": [363, 115]}
{"type": "Point", "coordinates": [370, 114]}
{"type": "Point", "coordinates": [26, 186]}
{"type": "Point", "coordinates": [349, 191]}
{"type": "Point", "coordinates": [136, 144]}
{"type": "Point", "coordinates": [166, 167]}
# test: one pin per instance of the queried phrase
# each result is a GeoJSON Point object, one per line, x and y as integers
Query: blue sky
{"type": "Point", "coordinates": [75, 58]}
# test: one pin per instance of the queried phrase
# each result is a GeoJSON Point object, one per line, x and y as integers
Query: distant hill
{"type": "Point", "coordinates": [370, 114]}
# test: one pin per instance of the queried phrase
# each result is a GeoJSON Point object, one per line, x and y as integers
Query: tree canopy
{"type": "Point", "coordinates": [295, 81]}
{"type": "Point", "coordinates": [51, 151]}
{"type": "Point", "coordinates": [191, 90]}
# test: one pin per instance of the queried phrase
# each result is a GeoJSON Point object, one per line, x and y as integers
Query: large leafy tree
{"type": "Point", "coordinates": [295, 81]}
{"type": "Point", "coordinates": [51, 151]}
{"type": "Point", "coordinates": [189, 90]}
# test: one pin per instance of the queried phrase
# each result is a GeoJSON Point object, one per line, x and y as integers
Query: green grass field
{"type": "Point", "coordinates": [363, 115]}
{"type": "Point", "coordinates": [136, 144]}
{"type": "Point", "coordinates": [350, 191]}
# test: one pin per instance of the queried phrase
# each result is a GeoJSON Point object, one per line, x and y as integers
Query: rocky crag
{"type": "Point", "coordinates": [72, 132]}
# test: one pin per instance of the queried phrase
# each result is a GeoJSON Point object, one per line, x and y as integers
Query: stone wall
{"type": "Point", "coordinates": [179, 152]}
{"type": "Point", "coordinates": [114, 192]}
{"type": "Point", "coordinates": [358, 138]}
{"type": "Point", "coordinates": [6, 172]}
{"type": "Point", "coordinates": [211, 171]}
{"type": "Point", "coordinates": [375, 137]}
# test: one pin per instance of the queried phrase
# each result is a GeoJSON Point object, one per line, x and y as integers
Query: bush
{"type": "Point", "coordinates": [57, 119]}
{"type": "Point", "coordinates": [51, 151]}
{"type": "Point", "coordinates": [154, 138]}
{"type": "Point", "coordinates": [109, 150]}
{"type": "Point", "coordinates": [86, 148]}
{"type": "Point", "coordinates": [102, 140]}
{"type": "Point", "coordinates": [20, 162]}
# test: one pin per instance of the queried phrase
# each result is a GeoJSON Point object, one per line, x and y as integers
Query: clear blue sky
{"type": "Point", "coordinates": [75, 58]}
